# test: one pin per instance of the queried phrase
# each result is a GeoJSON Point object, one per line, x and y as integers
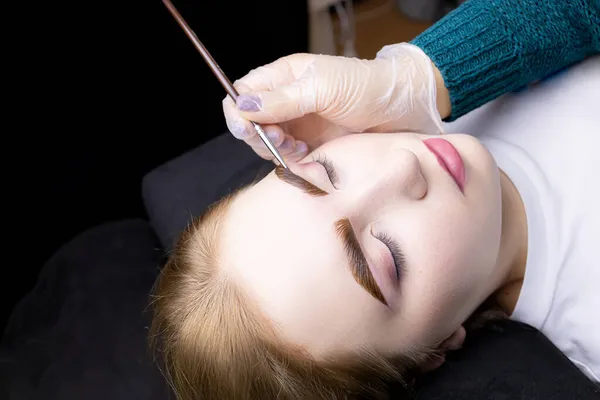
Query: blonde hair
{"type": "Point", "coordinates": [214, 343]}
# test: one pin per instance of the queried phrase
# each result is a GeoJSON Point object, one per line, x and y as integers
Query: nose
{"type": "Point", "coordinates": [397, 176]}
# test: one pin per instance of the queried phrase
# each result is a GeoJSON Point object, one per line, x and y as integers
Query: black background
{"type": "Point", "coordinates": [101, 92]}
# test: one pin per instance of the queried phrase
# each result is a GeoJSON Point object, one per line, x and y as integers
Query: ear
{"type": "Point", "coordinates": [453, 342]}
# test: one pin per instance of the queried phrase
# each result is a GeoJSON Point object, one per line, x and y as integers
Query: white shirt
{"type": "Point", "coordinates": [547, 140]}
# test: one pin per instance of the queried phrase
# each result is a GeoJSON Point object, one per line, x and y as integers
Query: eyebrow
{"type": "Point", "coordinates": [358, 263]}
{"type": "Point", "coordinates": [289, 177]}
{"type": "Point", "coordinates": [359, 268]}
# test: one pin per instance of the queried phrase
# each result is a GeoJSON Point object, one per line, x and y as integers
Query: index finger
{"type": "Point", "coordinates": [283, 71]}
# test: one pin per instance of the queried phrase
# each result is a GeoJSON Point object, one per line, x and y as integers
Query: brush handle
{"type": "Point", "coordinates": [214, 67]}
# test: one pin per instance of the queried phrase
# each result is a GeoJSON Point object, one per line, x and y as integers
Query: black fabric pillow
{"type": "Point", "coordinates": [501, 361]}
{"type": "Point", "coordinates": [81, 333]}
{"type": "Point", "coordinates": [505, 360]}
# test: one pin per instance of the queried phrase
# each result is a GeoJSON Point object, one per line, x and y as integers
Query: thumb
{"type": "Point", "coordinates": [283, 103]}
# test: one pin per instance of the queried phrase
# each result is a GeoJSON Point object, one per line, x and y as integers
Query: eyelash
{"type": "Point", "coordinates": [384, 238]}
{"type": "Point", "coordinates": [328, 165]}
{"type": "Point", "coordinates": [396, 253]}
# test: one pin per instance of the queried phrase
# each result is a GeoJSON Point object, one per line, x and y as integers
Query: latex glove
{"type": "Point", "coordinates": [316, 98]}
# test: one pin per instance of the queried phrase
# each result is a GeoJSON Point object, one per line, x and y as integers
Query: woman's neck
{"type": "Point", "coordinates": [513, 246]}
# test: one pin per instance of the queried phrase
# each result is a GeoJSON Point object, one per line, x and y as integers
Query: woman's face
{"type": "Point", "coordinates": [390, 253]}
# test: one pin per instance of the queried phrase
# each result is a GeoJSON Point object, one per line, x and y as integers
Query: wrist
{"type": "Point", "coordinates": [443, 102]}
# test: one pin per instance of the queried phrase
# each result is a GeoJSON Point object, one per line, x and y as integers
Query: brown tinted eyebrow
{"type": "Point", "coordinates": [357, 262]}
{"type": "Point", "coordinates": [289, 177]}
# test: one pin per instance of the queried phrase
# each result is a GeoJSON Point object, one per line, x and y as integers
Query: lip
{"type": "Point", "coordinates": [449, 158]}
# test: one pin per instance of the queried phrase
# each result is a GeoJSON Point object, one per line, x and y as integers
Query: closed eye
{"type": "Point", "coordinates": [329, 168]}
{"type": "Point", "coordinates": [397, 254]}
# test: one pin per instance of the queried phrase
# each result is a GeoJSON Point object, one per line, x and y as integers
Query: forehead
{"type": "Point", "coordinates": [270, 229]}
{"type": "Point", "coordinates": [281, 244]}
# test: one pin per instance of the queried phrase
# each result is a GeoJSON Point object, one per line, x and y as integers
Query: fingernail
{"type": "Point", "coordinates": [273, 136]}
{"type": "Point", "coordinates": [248, 103]}
{"type": "Point", "coordinates": [238, 129]}
{"type": "Point", "coordinates": [287, 144]}
{"type": "Point", "coordinates": [301, 147]}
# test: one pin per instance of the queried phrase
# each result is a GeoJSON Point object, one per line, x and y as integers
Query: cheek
{"type": "Point", "coordinates": [459, 255]}
{"type": "Point", "coordinates": [449, 258]}
{"type": "Point", "coordinates": [440, 270]}
{"type": "Point", "coordinates": [438, 287]}
{"type": "Point", "coordinates": [457, 241]}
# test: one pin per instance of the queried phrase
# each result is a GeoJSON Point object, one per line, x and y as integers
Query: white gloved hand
{"type": "Point", "coordinates": [316, 98]}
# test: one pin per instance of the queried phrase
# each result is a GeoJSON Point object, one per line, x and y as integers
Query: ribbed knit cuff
{"type": "Point", "coordinates": [475, 54]}
{"type": "Point", "coordinates": [486, 48]}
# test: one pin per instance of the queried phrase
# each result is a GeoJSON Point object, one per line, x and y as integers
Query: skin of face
{"type": "Point", "coordinates": [282, 247]}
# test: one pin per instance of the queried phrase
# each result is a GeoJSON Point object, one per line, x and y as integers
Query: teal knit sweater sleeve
{"type": "Point", "coordinates": [485, 48]}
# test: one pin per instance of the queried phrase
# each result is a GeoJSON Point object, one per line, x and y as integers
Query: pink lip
{"type": "Point", "coordinates": [449, 158]}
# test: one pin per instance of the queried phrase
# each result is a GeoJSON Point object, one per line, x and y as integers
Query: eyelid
{"type": "Point", "coordinates": [329, 168]}
{"type": "Point", "coordinates": [395, 251]}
